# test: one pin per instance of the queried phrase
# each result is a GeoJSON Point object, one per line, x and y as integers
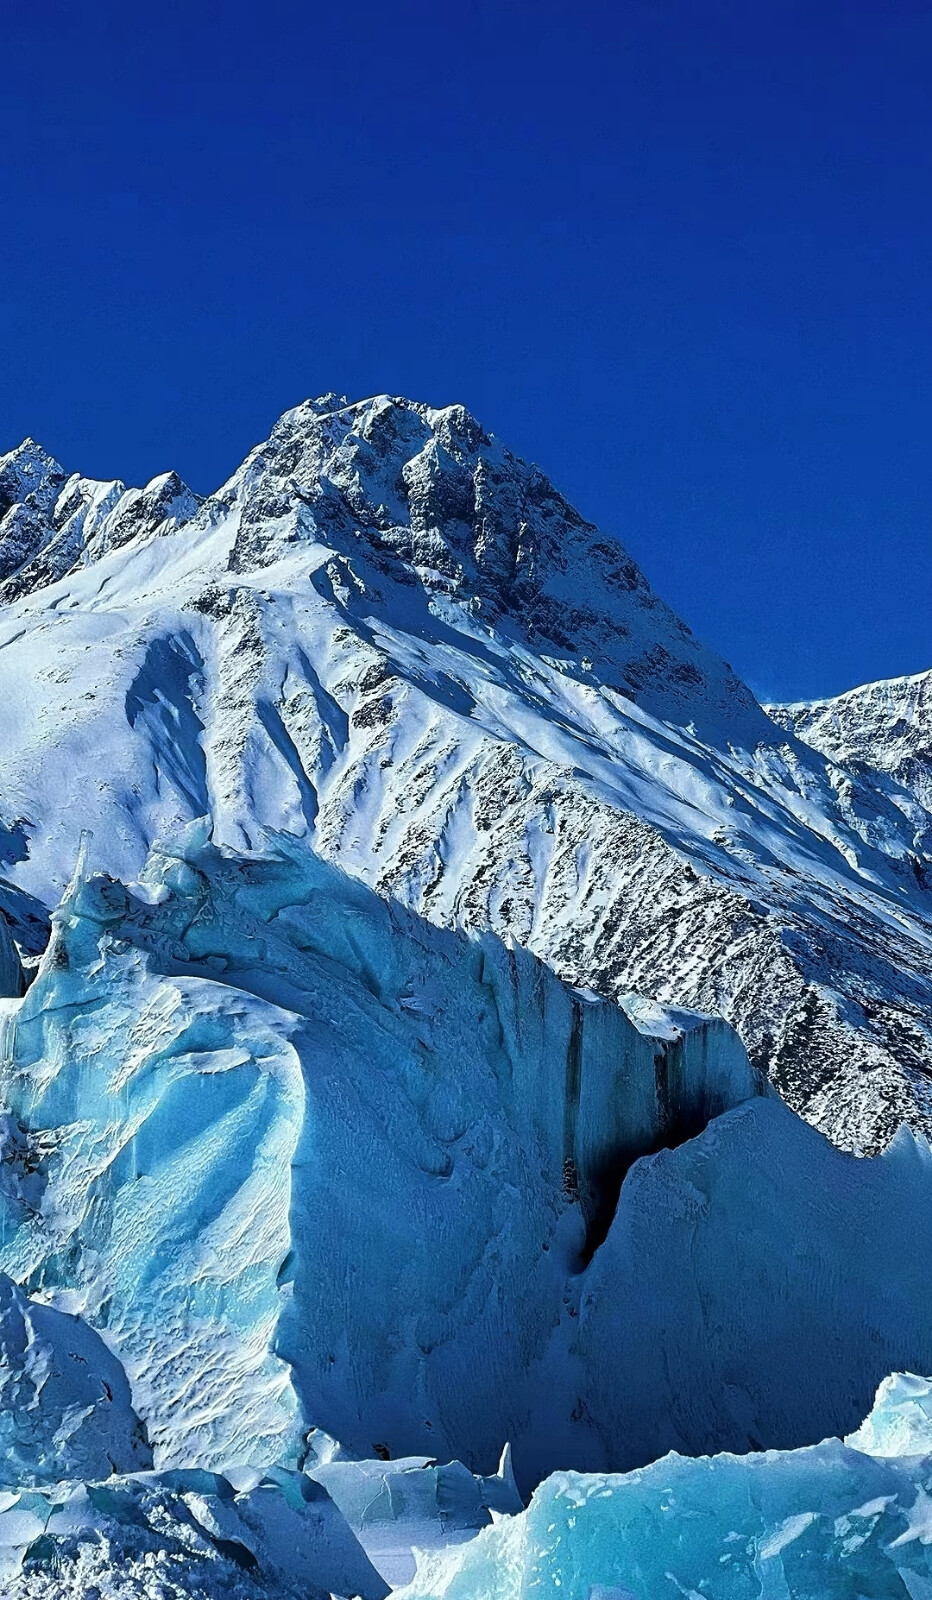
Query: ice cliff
{"type": "Point", "coordinates": [305, 1160]}
{"type": "Point", "coordinates": [308, 1160]}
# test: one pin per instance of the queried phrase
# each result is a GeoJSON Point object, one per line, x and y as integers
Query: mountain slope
{"type": "Point", "coordinates": [388, 635]}
{"type": "Point", "coordinates": [882, 730]}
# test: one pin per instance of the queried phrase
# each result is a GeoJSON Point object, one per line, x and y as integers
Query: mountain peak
{"type": "Point", "coordinates": [417, 495]}
{"type": "Point", "coordinates": [26, 471]}
{"type": "Point", "coordinates": [424, 495]}
{"type": "Point", "coordinates": [408, 494]}
{"type": "Point", "coordinates": [51, 523]}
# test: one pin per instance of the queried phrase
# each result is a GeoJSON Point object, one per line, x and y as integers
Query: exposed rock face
{"type": "Point", "coordinates": [51, 523]}
{"type": "Point", "coordinates": [388, 636]}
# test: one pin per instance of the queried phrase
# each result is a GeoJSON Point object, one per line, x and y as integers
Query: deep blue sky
{"type": "Point", "coordinates": [676, 251]}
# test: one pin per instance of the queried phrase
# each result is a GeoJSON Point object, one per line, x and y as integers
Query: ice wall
{"type": "Point", "coordinates": [776, 1279]}
{"type": "Point", "coordinates": [307, 1159]}
{"type": "Point", "coordinates": [304, 1159]}
{"type": "Point", "coordinates": [414, 1504]}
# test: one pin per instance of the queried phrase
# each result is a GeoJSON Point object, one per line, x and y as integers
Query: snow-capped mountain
{"type": "Point", "coordinates": [880, 730]}
{"type": "Point", "coordinates": [294, 1148]}
{"type": "Point", "coordinates": [50, 522]}
{"type": "Point", "coordinates": [387, 635]}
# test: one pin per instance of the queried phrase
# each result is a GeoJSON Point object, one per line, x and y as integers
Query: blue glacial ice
{"type": "Point", "coordinates": [80, 1514]}
{"type": "Point", "coordinates": [900, 1421]}
{"type": "Point", "coordinates": [811, 1524]}
{"type": "Point", "coordinates": [306, 1161]}
{"type": "Point", "coordinates": [415, 1504]}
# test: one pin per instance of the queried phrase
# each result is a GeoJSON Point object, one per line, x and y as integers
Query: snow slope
{"type": "Point", "coordinates": [388, 636]}
{"type": "Point", "coordinates": [881, 730]}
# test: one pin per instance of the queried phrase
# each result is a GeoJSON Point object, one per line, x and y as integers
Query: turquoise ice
{"type": "Point", "coordinates": [812, 1524]}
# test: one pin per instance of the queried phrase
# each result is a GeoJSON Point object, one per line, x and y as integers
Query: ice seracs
{"type": "Point", "coordinates": [400, 1509]}
{"type": "Point", "coordinates": [307, 1160]}
{"type": "Point", "coordinates": [269, 1536]}
{"type": "Point", "coordinates": [900, 1420]}
{"type": "Point", "coordinates": [65, 1405]}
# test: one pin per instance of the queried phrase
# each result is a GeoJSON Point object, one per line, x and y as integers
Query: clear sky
{"type": "Point", "coordinates": [676, 251]}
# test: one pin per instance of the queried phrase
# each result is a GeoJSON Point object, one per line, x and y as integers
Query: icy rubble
{"type": "Point", "coordinates": [346, 1527]}
{"type": "Point", "coordinates": [851, 1519]}
{"type": "Point", "coordinates": [80, 1514]}
{"type": "Point", "coordinates": [306, 1160]}
{"type": "Point", "coordinates": [168, 1535]}
{"type": "Point", "coordinates": [848, 1520]}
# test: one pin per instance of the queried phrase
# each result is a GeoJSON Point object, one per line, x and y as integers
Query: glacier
{"type": "Point", "coordinates": [306, 1161]}
{"type": "Point", "coordinates": [839, 1519]}
{"type": "Point", "coordinates": [843, 1517]}
{"type": "Point", "coordinates": [65, 1405]}
{"type": "Point", "coordinates": [400, 1509]}
{"type": "Point", "coordinates": [172, 1535]}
